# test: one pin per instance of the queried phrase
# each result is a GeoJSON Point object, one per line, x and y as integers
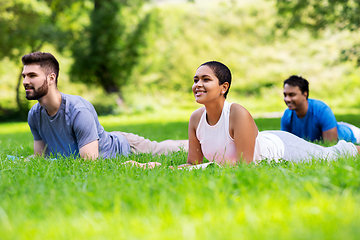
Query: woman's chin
{"type": "Point", "coordinates": [198, 101]}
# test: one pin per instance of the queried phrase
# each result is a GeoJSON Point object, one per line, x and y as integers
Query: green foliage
{"type": "Point", "coordinates": [320, 15]}
{"type": "Point", "coordinates": [23, 24]}
{"type": "Point", "coordinates": [107, 49]}
{"type": "Point", "coordinates": [167, 42]}
{"type": "Point", "coordinates": [351, 54]}
{"type": "Point", "coordinates": [243, 36]}
{"type": "Point", "coordinates": [225, 32]}
{"type": "Point", "coordinates": [105, 106]}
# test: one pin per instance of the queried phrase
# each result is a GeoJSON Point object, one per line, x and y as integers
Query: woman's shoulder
{"type": "Point", "coordinates": [237, 109]}
{"type": "Point", "coordinates": [239, 113]}
{"type": "Point", "coordinates": [241, 119]}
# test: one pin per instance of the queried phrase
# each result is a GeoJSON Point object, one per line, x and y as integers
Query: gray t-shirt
{"type": "Point", "coordinates": [73, 126]}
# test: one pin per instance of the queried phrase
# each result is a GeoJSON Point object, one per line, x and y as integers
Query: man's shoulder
{"type": "Point", "coordinates": [317, 103]}
{"type": "Point", "coordinates": [74, 102]}
{"type": "Point", "coordinates": [322, 112]}
{"type": "Point", "coordinates": [318, 107]}
{"type": "Point", "coordinates": [75, 105]}
{"type": "Point", "coordinates": [35, 109]}
{"type": "Point", "coordinates": [72, 98]}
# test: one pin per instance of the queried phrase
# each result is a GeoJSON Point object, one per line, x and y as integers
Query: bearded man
{"type": "Point", "coordinates": [68, 125]}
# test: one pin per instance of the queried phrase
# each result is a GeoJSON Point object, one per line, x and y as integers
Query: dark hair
{"type": "Point", "coordinates": [221, 71]}
{"type": "Point", "coordinates": [46, 61]}
{"type": "Point", "coordinates": [301, 82]}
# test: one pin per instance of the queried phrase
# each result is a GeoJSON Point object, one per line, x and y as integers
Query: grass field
{"type": "Point", "coordinates": [76, 199]}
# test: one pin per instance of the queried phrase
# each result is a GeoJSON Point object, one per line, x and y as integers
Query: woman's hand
{"type": "Point", "coordinates": [142, 165]}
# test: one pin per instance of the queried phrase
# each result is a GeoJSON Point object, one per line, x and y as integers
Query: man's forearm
{"type": "Point", "coordinates": [330, 135]}
{"type": "Point", "coordinates": [90, 150]}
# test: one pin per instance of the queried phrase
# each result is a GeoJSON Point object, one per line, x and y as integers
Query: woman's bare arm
{"type": "Point", "coordinates": [195, 155]}
{"type": "Point", "coordinates": [244, 131]}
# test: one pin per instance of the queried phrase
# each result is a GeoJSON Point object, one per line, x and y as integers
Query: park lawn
{"type": "Point", "coordinates": [76, 199]}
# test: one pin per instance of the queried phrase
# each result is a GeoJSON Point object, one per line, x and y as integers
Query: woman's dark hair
{"type": "Point", "coordinates": [221, 71]}
{"type": "Point", "coordinates": [47, 62]}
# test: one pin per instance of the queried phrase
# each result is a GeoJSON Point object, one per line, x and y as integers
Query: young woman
{"type": "Point", "coordinates": [227, 134]}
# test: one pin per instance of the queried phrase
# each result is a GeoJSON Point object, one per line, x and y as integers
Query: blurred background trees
{"type": "Point", "coordinates": [108, 48]}
{"type": "Point", "coordinates": [145, 52]}
{"type": "Point", "coordinates": [25, 26]}
{"type": "Point", "coordinates": [104, 47]}
{"type": "Point", "coordinates": [317, 16]}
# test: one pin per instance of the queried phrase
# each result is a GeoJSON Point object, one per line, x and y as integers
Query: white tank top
{"type": "Point", "coordinates": [217, 144]}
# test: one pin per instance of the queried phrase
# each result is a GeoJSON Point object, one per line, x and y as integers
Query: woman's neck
{"type": "Point", "coordinates": [213, 111]}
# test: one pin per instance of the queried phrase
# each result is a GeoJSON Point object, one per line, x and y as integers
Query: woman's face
{"type": "Point", "coordinates": [206, 86]}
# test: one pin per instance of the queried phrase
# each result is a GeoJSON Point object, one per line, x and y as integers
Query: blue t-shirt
{"type": "Point", "coordinates": [73, 126]}
{"type": "Point", "coordinates": [319, 118]}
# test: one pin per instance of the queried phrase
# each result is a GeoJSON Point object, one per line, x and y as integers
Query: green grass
{"type": "Point", "coordinates": [76, 199]}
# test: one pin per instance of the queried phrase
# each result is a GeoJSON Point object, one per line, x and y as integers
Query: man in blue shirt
{"type": "Point", "coordinates": [312, 119]}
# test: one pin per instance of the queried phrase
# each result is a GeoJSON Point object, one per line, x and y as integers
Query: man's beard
{"type": "Point", "coordinates": [38, 93]}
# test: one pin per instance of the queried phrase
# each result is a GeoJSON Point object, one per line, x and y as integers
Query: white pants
{"type": "Point", "coordinates": [297, 149]}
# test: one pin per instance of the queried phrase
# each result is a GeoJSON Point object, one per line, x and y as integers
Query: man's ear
{"type": "Point", "coordinates": [306, 94]}
{"type": "Point", "coordinates": [51, 78]}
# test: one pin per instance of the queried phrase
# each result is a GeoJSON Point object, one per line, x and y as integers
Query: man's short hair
{"type": "Point", "coordinates": [47, 62]}
{"type": "Point", "coordinates": [299, 81]}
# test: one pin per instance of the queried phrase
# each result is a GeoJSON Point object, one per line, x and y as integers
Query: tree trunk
{"type": "Point", "coordinates": [20, 106]}
{"type": "Point", "coordinates": [120, 100]}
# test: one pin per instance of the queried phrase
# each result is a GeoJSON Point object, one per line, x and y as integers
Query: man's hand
{"type": "Point", "coordinates": [29, 158]}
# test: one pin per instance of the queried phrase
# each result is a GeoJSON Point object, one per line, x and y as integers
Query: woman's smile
{"type": "Point", "coordinates": [198, 93]}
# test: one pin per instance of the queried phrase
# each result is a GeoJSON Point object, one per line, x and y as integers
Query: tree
{"type": "Point", "coordinates": [318, 15]}
{"type": "Point", "coordinates": [108, 48]}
